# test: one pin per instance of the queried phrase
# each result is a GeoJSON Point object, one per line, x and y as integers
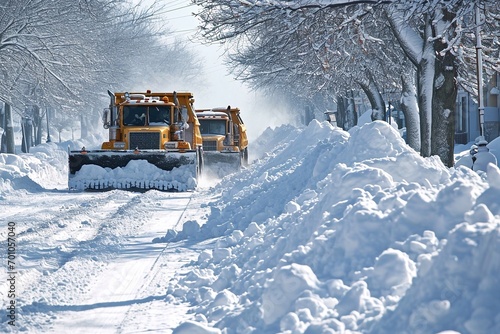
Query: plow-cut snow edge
{"type": "Point", "coordinates": [137, 174]}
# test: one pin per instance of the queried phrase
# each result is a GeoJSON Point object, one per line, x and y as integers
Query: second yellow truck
{"type": "Point", "coordinates": [225, 141]}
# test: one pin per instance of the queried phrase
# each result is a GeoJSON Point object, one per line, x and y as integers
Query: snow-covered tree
{"type": "Point", "coordinates": [433, 35]}
{"type": "Point", "coordinates": [66, 54]}
{"type": "Point", "coordinates": [321, 51]}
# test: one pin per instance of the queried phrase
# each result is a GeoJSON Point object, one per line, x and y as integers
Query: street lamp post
{"type": "Point", "coordinates": [479, 69]}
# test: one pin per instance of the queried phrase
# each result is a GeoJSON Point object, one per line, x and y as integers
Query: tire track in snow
{"type": "Point", "coordinates": [64, 227]}
{"type": "Point", "coordinates": [161, 267]}
{"type": "Point", "coordinates": [164, 313]}
{"type": "Point", "coordinates": [51, 253]}
{"type": "Point", "coordinates": [102, 266]}
{"type": "Point", "coordinates": [146, 308]}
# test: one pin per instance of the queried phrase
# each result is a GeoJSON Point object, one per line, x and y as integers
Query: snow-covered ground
{"type": "Point", "coordinates": [327, 232]}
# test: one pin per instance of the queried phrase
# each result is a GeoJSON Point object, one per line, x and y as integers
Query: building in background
{"type": "Point", "coordinates": [467, 114]}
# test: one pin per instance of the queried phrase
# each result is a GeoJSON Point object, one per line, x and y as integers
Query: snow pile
{"type": "Point", "coordinates": [214, 170]}
{"type": "Point", "coordinates": [272, 140]}
{"type": "Point", "coordinates": [40, 169]}
{"type": "Point", "coordinates": [136, 174]}
{"type": "Point", "coordinates": [463, 150]}
{"type": "Point", "coordinates": [337, 232]}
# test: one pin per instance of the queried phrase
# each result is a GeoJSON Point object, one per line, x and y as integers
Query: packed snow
{"type": "Point", "coordinates": [136, 174]}
{"type": "Point", "coordinates": [327, 231]}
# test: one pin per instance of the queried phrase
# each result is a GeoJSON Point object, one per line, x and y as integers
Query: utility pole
{"type": "Point", "coordinates": [479, 69]}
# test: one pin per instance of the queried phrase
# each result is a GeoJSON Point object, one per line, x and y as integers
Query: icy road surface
{"type": "Point", "coordinates": [87, 263]}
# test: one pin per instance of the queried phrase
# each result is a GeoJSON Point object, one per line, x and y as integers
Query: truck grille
{"type": "Point", "coordinates": [210, 145]}
{"type": "Point", "coordinates": [144, 140]}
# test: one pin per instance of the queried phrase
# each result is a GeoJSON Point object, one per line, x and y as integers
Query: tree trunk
{"type": "Point", "coordinates": [27, 131]}
{"type": "Point", "coordinates": [8, 144]}
{"type": "Point", "coordinates": [376, 99]}
{"type": "Point", "coordinates": [37, 124]}
{"type": "Point", "coordinates": [354, 111]}
{"type": "Point", "coordinates": [410, 110]}
{"type": "Point", "coordinates": [425, 76]}
{"type": "Point", "coordinates": [308, 115]}
{"type": "Point", "coordinates": [351, 116]}
{"type": "Point", "coordinates": [47, 117]}
{"type": "Point", "coordinates": [443, 106]}
{"type": "Point", "coordinates": [341, 112]}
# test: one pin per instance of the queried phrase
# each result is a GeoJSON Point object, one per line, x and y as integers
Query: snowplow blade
{"type": "Point", "coordinates": [222, 163]}
{"type": "Point", "coordinates": [106, 170]}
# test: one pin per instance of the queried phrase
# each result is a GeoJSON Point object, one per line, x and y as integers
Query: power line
{"type": "Point", "coordinates": [178, 8]}
{"type": "Point", "coordinates": [179, 17]}
{"type": "Point", "coordinates": [174, 3]}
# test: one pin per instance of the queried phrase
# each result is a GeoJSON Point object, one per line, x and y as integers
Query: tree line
{"type": "Point", "coordinates": [320, 51]}
{"type": "Point", "coordinates": [60, 57]}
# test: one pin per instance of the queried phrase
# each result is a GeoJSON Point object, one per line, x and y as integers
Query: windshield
{"type": "Point", "coordinates": [159, 115]}
{"type": "Point", "coordinates": [213, 127]}
{"type": "Point", "coordinates": [146, 115]}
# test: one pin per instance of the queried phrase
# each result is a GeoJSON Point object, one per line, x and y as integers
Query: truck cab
{"type": "Point", "coordinates": [153, 121]}
{"type": "Point", "coordinates": [223, 131]}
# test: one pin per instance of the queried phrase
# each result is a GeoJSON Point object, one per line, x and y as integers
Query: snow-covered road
{"type": "Point", "coordinates": [88, 262]}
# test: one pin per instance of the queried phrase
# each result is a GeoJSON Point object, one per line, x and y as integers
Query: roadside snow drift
{"type": "Point", "coordinates": [45, 167]}
{"type": "Point", "coordinates": [336, 232]}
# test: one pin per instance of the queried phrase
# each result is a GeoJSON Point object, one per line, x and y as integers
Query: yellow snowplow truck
{"type": "Point", "coordinates": [154, 143]}
{"type": "Point", "coordinates": [225, 141]}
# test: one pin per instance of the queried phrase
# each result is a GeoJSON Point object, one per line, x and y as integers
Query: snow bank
{"type": "Point", "coordinates": [40, 169]}
{"type": "Point", "coordinates": [336, 232]}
